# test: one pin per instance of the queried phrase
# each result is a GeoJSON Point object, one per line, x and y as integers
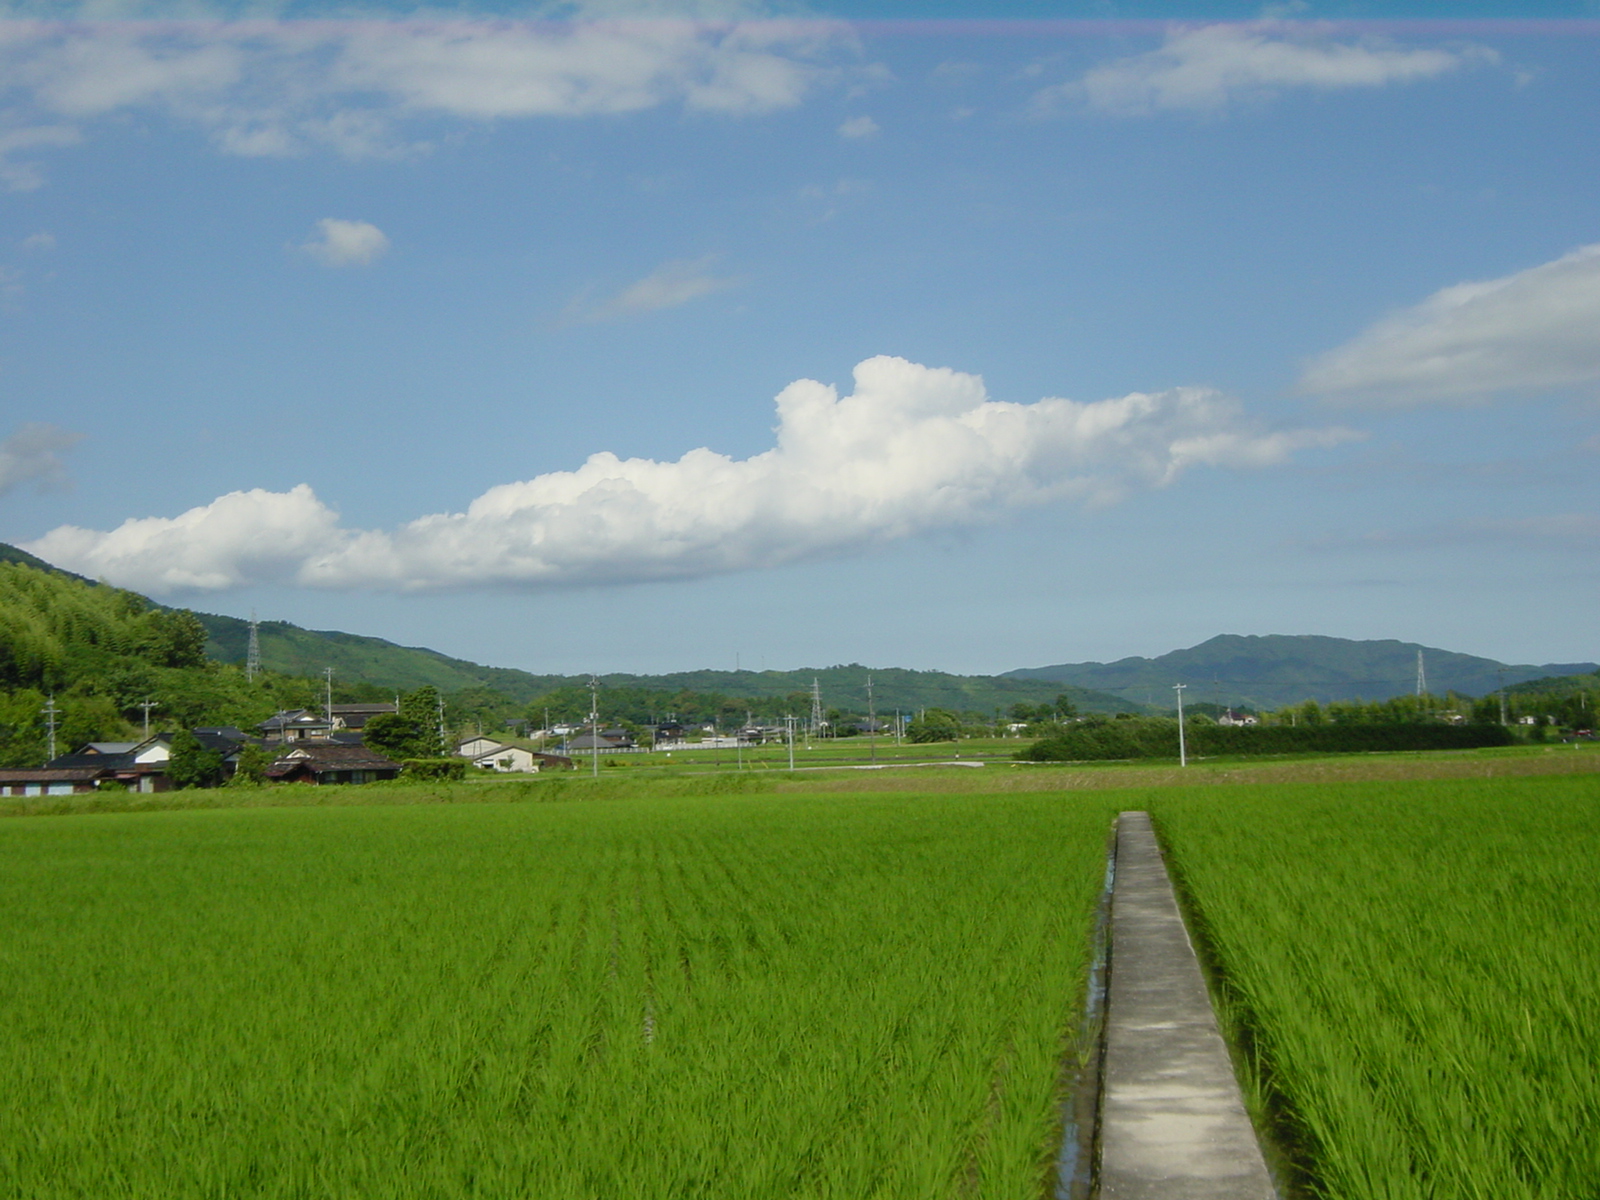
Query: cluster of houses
{"type": "Point", "coordinates": [324, 747]}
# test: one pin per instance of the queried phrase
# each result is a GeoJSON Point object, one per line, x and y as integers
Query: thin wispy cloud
{"type": "Point", "coordinates": [912, 449]}
{"type": "Point", "coordinates": [26, 176]}
{"type": "Point", "coordinates": [670, 285]}
{"type": "Point", "coordinates": [339, 243]}
{"type": "Point", "coordinates": [32, 454]}
{"type": "Point", "coordinates": [856, 128]}
{"type": "Point", "coordinates": [1212, 67]}
{"type": "Point", "coordinates": [270, 87]}
{"type": "Point", "coordinates": [1535, 329]}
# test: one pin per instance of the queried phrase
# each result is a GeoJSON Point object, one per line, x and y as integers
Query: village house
{"type": "Point", "coordinates": [608, 741]}
{"type": "Point", "coordinates": [331, 762]}
{"type": "Point", "coordinates": [508, 756]}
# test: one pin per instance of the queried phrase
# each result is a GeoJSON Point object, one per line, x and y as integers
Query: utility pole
{"type": "Point", "coordinates": [50, 713]}
{"type": "Point", "coordinates": [789, 721]}
{"type": "Point", "coordinates": [147, 705]}
{"type": "Point", "coordinates": [327, 701]}
{"type": "Point", "coordinates": [1505, 717]}
{"type": "Point", "coordinates": [594, 724]}
{"type": "Point", "coordinates": [1183, 747]}
{"type": "Point", "coordinates": [872, 720]}
{"type": "Point", "coordinates": [252, 657]}
{"type": "Point", "coordinates": [441, 725]}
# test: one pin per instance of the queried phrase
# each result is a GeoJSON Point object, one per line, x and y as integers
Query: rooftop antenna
{"type": "Point", "coordinates": [50, 713]}
{"type": "Point", "coordinates": [1422, 676]}
{"type": "Point", "coordinates": [1183, 748]}
{"type": "Point", "coordinates": [147, 705]}
{"type": "Point", "coordinates": [252, 656]}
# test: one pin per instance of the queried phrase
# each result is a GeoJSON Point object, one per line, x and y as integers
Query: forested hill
{"type": "Point", "coordinates": [1273, 670]}
{"type": "Point", "coordinates": [358, 659]}
{"type": "Point", "coordinates": [370, 662]}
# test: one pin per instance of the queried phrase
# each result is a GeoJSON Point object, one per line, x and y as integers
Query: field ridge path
{"type": "Point", "coordinates": [1172, 1120]}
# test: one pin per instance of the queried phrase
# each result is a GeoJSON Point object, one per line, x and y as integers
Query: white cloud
{"type": "Point", "coordinates": [1209, 67]}
{"type": "Point", "coordinates": [278, 87]}
{"type": "Point", "coordinates": [668, 286]}
{"type": "Point", "coordinates": [33, 455]}
{"type": "Point", "coordinates": [346, 243]}
{"type": "Point", "coordinates": [39, 241]}
{"type": "Point", "coordinates": [1538, 328]}
{"type": "Point", "coordinates": [913, 449]}
{"type": "Point", "coordinates": [859, 127]}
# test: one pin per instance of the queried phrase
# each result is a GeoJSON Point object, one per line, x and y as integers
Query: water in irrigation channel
{"type": "Point", "coordinates": [1081, 1110]}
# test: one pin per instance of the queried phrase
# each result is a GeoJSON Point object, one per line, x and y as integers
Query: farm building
{"type": "Point", "coordinates": [51, 781]}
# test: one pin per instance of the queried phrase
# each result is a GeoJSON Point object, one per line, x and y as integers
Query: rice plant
{"type": "Point", "coordinates": [1413, 975]}
{"type": "Point", "coordinates": [735, 996]}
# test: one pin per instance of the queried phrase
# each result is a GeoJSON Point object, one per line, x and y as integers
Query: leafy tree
{"type": "Point", "coordinates": [1065, 708]}
{"type": "Point", "coordinates": [192, 765]}
{"type": "Point", "coordinates": [252, 765]}
{"type": "Point", "coordinates": [413, 732]}
{"type": "Point", "coordinates": [934, 725]}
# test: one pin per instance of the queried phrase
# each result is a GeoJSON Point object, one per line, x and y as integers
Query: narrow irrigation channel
{"type": "Point", "coordinates": [1170, 1123]}
{"type": "Point", "coordinates": [1081, 1116]}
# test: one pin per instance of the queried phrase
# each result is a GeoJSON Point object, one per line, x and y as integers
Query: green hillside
{"type": "Point", "coordinates": [96, 654]}
{"type": "Point", "coordinates": [1274, 670]}
{"type": "Point", "coordinates": [1557, 685]}
{"type": "Point", "coordinates": [357, 659]}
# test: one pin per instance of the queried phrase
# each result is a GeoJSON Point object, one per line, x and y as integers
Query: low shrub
{"type": "Point", "coordinates": [430, 769]}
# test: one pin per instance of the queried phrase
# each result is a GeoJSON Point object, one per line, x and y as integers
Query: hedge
{"type": "Point", "coordinates": [1158, 738]}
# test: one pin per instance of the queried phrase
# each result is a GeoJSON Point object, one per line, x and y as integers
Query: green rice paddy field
{"type": "Point", "coordinates": [745, 996]}
{"type": "Point", "coordinates": [820, 992]}
{"type": "Point", "coordinates": [1413, 971]}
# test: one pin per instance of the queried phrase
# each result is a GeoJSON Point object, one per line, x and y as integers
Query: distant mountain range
{"type": "Point", "coordinates": [354, 658]}
{"type": "Point", "coordinates": [1258, 671]}
{"type": "Point", "coordinates": [1273, 670]}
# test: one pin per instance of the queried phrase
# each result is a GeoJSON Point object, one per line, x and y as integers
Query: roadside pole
{"type": "Point", "coordinates": [1183, 749]}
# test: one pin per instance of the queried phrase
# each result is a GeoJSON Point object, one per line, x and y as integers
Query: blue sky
{"type": "Point", "coordinates": [515, 338]}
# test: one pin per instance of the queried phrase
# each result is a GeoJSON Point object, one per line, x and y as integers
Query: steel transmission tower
{"type": "Point", "coordinates": [252, 656]}
{"type": "Point", "coordinates": [1422, 676]}
{"type": "Point", "coordinates": [816, 708]}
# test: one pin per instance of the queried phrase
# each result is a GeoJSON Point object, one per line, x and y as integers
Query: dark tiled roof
{"type": "Point", "coordinates": [331, 756]}
{"type": "Point", "coordinates": [95, 762]}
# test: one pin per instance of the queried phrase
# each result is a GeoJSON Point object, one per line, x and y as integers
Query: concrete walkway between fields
{"type": "Point", "coordinates": [1172, 1121]}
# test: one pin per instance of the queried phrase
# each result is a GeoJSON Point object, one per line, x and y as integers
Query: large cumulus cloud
{"type": "Point", "coordinates": [913, 448]}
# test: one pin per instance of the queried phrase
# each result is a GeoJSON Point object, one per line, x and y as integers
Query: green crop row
{"type": "Point", "coordinates": [736, 996]}
{"type": "Point", "coordinates": [1412, 974]}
